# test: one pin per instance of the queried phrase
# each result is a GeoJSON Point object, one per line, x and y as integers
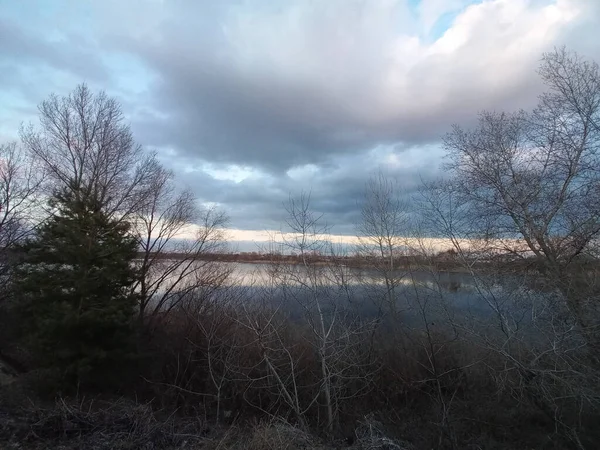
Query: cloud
{"type": "Point", "coordinates": [279, 87]}
{"type": "Point", "coordinates": [257, 202]}
{"type": "Point", "coordinates": [23, 49]}
{"type": "Point", "coordinates": [251, 100]}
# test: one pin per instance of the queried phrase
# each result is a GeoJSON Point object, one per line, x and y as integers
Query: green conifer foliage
{"type": "Point", "coordinates": [75, 287]}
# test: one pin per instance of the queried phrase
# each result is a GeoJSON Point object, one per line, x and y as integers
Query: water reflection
{"type": "Point", "coordinates": [264, 275]}
{"type": "Point", "coordinates": [363, 293]}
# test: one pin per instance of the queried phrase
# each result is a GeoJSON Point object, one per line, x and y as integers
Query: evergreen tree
{"type": "Point", "coordinates": [75, 286]}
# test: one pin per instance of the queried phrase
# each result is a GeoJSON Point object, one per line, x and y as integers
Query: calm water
{"type": "Point", "coordinates": [261, 274]}
{"type": "Point", "coordinates": [364, 292]}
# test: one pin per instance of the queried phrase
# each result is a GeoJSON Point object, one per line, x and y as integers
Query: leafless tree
{"type": "Point", "coordinates": [382, 234]}
{"type": "Point", "coordinates": [536, 352]}
{"type": "Point", "coordinates": [85, 145]}
{"type": "Point", "coordinates": [392, 244]}
{"type": "Point", "coordinates": [20, 180]}
{"type": "Point", "coordinates": [319, 288]}
{"type": "Point", "coordinates": [528, 344]}
{"type": "Point", "coordinates": [179, 244]}
{"type": "Point", "coordinates": [535, 177]}
{"type": "Point", "coordinates": [521, 209]}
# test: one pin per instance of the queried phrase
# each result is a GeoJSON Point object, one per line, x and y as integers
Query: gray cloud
{"type": "Point", "coordinates": [24, 51]}
{"type": "Point", "coordinates": [336, 190]}
{"type": "Point", "coordinates": [306, 84]}
{"type": "Point", "coordinates": [302, 92]}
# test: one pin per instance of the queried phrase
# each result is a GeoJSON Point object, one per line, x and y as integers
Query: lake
{"type": "Point", "coordinates": [292, 288]}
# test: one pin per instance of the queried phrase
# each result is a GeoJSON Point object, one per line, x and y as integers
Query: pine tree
{"type": "Point", "coordinates": [75, 286]}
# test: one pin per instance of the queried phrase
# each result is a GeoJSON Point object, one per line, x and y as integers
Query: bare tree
{"type": "Point", "coordinates": [534, 352]}
{"type": "Point", "coordinates": [382, 234]}
{"type": "Point", "coordinates": [20, 180]}
{"type": "Point", "coordinates": [319, 288]}
{"type": "Point", "coordinates": [179, 243]}
{"type": "Point", "coordinates": [521, 209]}
{"type": "Point", "coordinates": [393, 246]}
{"type": "Point", "coordinates": [535, 177]}
{"type": "Point", "coordinates": [85, 145]}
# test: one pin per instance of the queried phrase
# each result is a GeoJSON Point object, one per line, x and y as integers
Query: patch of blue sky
{"type": "Point", "coordinates": [442, 24]}
{"type": "Point", "coordinates": [130, 75]}
{"type": "Point", "coordinates": [13, 112]}
{"type": "Point", "coordinates": [446, 20]}
{"type": "Point", "coordinates": [414, 7]}
{"type": "Point", "coordinates": [55, 17]}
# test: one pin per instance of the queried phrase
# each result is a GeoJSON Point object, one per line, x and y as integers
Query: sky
{"type": "Point", "coordinates": [251, 101]}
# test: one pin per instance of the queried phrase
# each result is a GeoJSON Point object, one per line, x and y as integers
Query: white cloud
{"type": "Point", "coordinates": [360, 71]}
{"type": "Point", "coordinates": [254, 98]}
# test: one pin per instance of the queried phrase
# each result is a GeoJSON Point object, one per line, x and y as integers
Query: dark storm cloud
{"type": "Point", "coordinates": [306, 83]}
{"type": "Point", "coordinates": [224, 117]}
{"type": "Point", "coordinates": [299, 93]}
{"type": "Point", "coordinates": [22, 50]}
{"type": "Point", "coordinates": [336, 191]}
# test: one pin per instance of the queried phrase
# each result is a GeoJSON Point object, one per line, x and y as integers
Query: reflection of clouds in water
{"type": "Point", "coordinates": [453, 296]}
{"type": "Point", "coordinates": [261, 275]}
{"type": "Point", "coordinates": [265, 275]}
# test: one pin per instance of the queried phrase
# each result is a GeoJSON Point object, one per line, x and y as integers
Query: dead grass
{"type": "Point", "coordinates": [278, 435]}
{"type": "Point", "coordinates": [118, 424]}
{"type": "Point", "coordinates": [370, 435]}
{"type": "Point", "coordinates": [403, 392]}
